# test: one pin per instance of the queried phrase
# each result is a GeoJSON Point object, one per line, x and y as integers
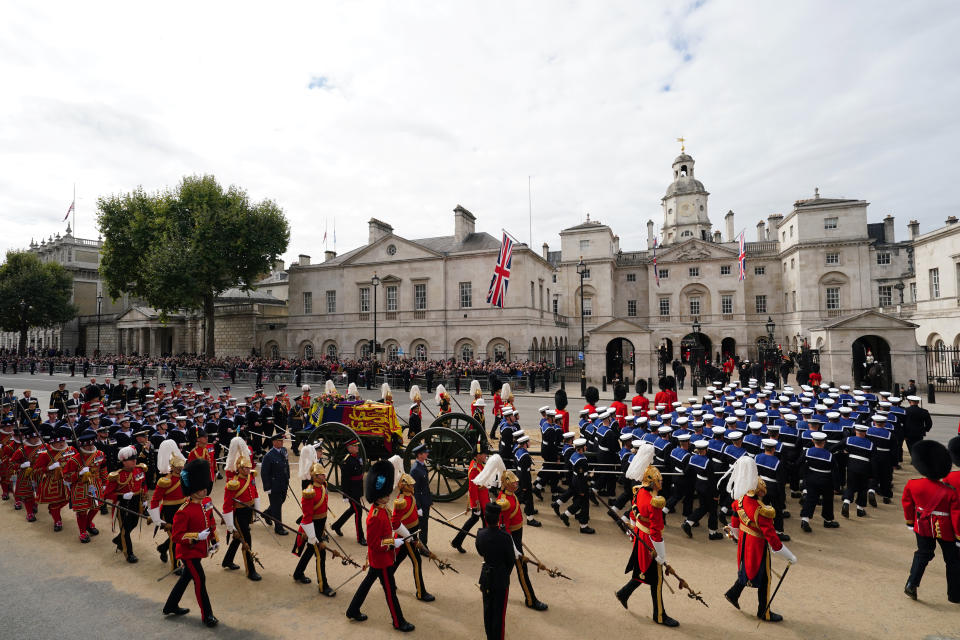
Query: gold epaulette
{"type": "Point", "coordinates": [233, 485]}
{"type": "Point", "coordinates": [113, 475]}
{"type": "Point", "coordinates": [309, 492]}
{"type": "Point", "coordinates": [398, 503]}
{"type": "Point", "coordinates": [636, 488]}
{"type": "Point", "coordinates": [142, 466]}
{"type": "Point", "coordinates": [766, 511]}
{"type": "Point", "coordinates": [658, 502]}
{"type": "Point", "coordinates": [253, 473]}
{"type": "Point", "coordinates": [164, 482]}
{"type": "Point", "coordinates": [503, 502]}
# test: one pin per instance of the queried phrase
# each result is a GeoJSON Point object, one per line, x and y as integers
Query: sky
{"type": "Point", "coordinates": [343, 111]}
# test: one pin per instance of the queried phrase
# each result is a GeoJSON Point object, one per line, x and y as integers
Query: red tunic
{"type": "Point", "coordinates": [953, 479]}
{"type": "Point", "coordinates": [563, 417]}
{"type": "Point", "coordinates": [313, 502]}
{"type": "Point", "coordinates": [590, 409]}
{"type": "Point", "coordinates": [405, 512]}
{"type": "Point", "coordinates": [511, 516]}
{"type": "Point", "coordinates": [50, 486]}
{"type": "Point", "coordinates": [242, 489]}
{"type": "Point", "coordinates": [25, 480]}
{"type": "Point", "coordinates": [380, 551]}
{"type": "Point", "coordinates": [497, 410]}
{"type": "Point", "coordinates": [932, 508]}
{"type": "Point", "coordinates": [815, 379]}
{"type": "Point", "coordinates": [648, 526]}
{"type": "Point", "coordinates": [6, 451]}
{"type": "Point", "coordinates": [641, 401]}
{"type": "Point", "coordinates": [80, 485]}
{"type": "Point", "coordinates": [168, 491]}
{"type": "Point", "coordinates": [192, 518]}
{"type": "Point", "coordinates": [666, 398]}
{"type": "Point", "coordinates": [205, 453]}
{"type": "Point", "coordinates": [755, 522]}
{"type": "Point", "coordinates": [479, 496]}
{"type": "Point", "coordinates": [125, 481]}
{"type": "Point", "coordinates": [621, 411]}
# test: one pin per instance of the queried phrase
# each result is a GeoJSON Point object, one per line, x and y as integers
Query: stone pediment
{"type": "Point", "coordinates": [873, 320]}
{"type": "Point", "coordinates": [380, 252]}
{"type": "Point", "coordinates": [694, 250]}
{"type": "Point", "coordinates": [139, 314]}
{"type": "Point", "coordinates": [619, 326]}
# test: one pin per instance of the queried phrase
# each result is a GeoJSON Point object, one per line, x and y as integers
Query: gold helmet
{"type": "Point", "coordinates": [317, 469]}
{"type": "Point", "coordinates": [177, 461]}
{"type": "Point", "coordinates": [406, 483]}
{"type": "Point", "coordinates": [508, 476]}
{"type": "Point", "coordinates": [244, 463]}
{"type": "Point", "coordinates": [761, 489]}
{"type": "Point", "coordinates": [652, 478]}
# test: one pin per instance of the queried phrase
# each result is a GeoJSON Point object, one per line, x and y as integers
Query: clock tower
{"type": "Point", "coordinates": [685, 205]}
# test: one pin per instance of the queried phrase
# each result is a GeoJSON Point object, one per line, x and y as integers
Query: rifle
{"type": "Point", "coordinates": [441, 564]}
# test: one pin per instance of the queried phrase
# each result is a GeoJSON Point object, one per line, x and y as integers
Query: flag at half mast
{"type": "Point", "coordinates": [742, 258]}
{"type": "Point", "coordinates": [69, 210]}
{"type": "Point", "coordinates": [501, 273]}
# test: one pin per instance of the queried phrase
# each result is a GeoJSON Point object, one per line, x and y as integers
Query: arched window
{"type": "Point", "coordinates": [466, 351]}
{"type": "Point", "coordinates": [941, 348]}
{"type": "Point", "coordinates": [365, 350]}
{"type": "Point", "coordinates": [420, 352]}
{"type": "Point", "coordinates": [393, 352]}
{"type": "Point", "coordinates": [499, 352]}
{"type": "Point", "coordinates": [308, 351]}
{"type": "Point", "coordinates": [686, 234]}
{"type": "Point", "coordinates": [331, 351]}
{"type": "Point", "coordinates": [275, 352]}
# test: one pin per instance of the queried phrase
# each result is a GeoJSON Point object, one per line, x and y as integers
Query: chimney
{"type": "Point", "coordinates": [914, 228]}
{"type": "Point", "coordinates": [888, 232]}
{"type": "Point", "coordinates": [717, 237]}
{"type": "Point", "coordinates": [761, 231]}
{"type": "Point", "coordinates": [278, 264]}
{"type": "Point", "coordinates": [304, 260]}
{"type": "Point", "coordinates": [951, 220]}
{"type": "Point", "coordinates": [378, 229]}
{"type": "Point", "coordinates": [649, 234]}
{"type": "Point", "coordinates": [464, 223]}
{"type": "Point", "coordinates": [546, 250]}
{"type": "Point", "coordinates": [616, 244]}
{"type": "Point", "coordinates": [773, 221]}
{"type": "Point", "coordinates": [729, 220]}
{"type": "Point", "coordinates": [329, 255]}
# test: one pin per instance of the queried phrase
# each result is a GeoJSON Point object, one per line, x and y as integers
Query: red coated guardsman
{"type": "Point", "coordinates": [51, 489]}
{"type": "Point", "coordinates": [406, 521]}
{"type": "Point", "coordinates": [126, 488]}
{"type": "Point", "coordinates": [203, 450]}
{"type": "Point", "coordinates": [313, 502]}
{"type": "Point", "coordinates": [168, 496]}
{"type": "Point", "coordinates": [7, 446]}
{"type": "Point", "coordinates": [752, 526]}
{"type": "Point", "coordinates": [239, 495]}
{"type": "Point", "coordinates": [478, 497]}
{"type": "Point", "coordinates": [931, 508]}
{"type": "Point", "coordinates": [24, 491]}
{"type": "Point", "coordinates": [86, 474]}
{"type": "Point", "coordinates": [381, 550]}
{"type": "Point", "coordinates": [195, 536]}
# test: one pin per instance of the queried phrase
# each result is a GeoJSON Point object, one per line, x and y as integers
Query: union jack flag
{"type": "Point", "coordinates": [656, 272]}
{"type": "Point", "coordinates": [501, 273]}
{"type": "Point", "coordinates": [743, 259]}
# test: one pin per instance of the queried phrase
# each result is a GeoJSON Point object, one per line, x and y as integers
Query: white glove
{"type": "Point", "coordinates": [203, 535]}
{"type": "Point", "coordinates": [84, 470]}
{"type": "Point", "coordinates": [25, 465]}
{"type": "Point", "coordinates": [345, 499]}
{"type": "Point", "coordinates": [786, 553]}
{"type": "Point", "coordinates": [310, 531]}
{"type": "Point", "coordinates": [55, 465]}
{"type": "Point", "coordinates": [155, 516]}
{"type": "Point", "coordinates": [910, 526]}
{"type": "Point", "coordinates": [228, 520]}
{"type": "Point", "coordinates": [256, 503]}
{"type": "Point", "coordinates": [397, 543]}
{"type": "Point", "coordinates": [128, 495]}
{"type": "Point", "coordinates": [420, 512]}
{"type": "Point", "coordinates": [146, 504]}
{"type": "Point", "coordinates": [214, 547]}
{"type": "Point", "coordinates": [402, 530]}
{"type": "Point", "coordinates": [516, 552]}
{"type": "Point", "coordinates": [268, 491]}
{"type": "Point", "coordinates": [661, 550]}
{"type": "Point", "coordinates": [736, 534]}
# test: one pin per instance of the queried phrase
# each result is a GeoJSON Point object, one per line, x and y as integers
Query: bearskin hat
{"type": "Point", "coordinates": [379, 481]}
{"type": "Point", "coordinates": [560, 399]}
{"type": "Point", "coordinates": [931, 459]}
{"type": "Point", "coordinates": [592, 395]}
{"type": "Point", "coordinates": [196, 476]}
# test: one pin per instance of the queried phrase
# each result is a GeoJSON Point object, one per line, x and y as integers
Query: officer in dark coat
{"type": "Point", "coordinates": [351, 483]}
{"type": "Point", "coordinates": [421, 490]}
{"type": "Point", "coordinates": [496, 547]}
{"type": "Point", "coordinates": [275, 477]}
{"type": "Point", "coordinates": [916, 422]}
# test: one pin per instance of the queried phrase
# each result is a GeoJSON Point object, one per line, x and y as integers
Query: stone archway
{"type": "Point", "coordinates": [871, 362]}
{"type": "Point", "coordinates": [620, 352]}
{"type": "Point", "coordinates": [728, 347]}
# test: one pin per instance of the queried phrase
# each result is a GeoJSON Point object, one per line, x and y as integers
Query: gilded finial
{"type": "Point", "coordinates": [681, 141]}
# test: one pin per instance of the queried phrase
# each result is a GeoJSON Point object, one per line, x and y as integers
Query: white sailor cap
{"type": "Point", "coordinates": [819, 435]}
{"type": "Point", "coordinates": [773, 427]}
{"type": "Point", "coordinates": [636, 444]}
{"type": "Point", "coordinates": [584, 412]}
{"type": "Point", "coordinates": [755, 425]}
{"type": "Point", "coordinates": [681, 410]}
{"type": "Point", "coordinates": [860, 427]}
{"type": "Point", "coordinates": [701, 444]}
{"type": "Point", "coordinates": [551, 413]}
{"type": "Point", "coordinates": [508, 412]}
{"type": "Point", "coordinates": [751, 401]}
{"type": "Point", "coordinates": [740, 413]}
{"type": "Point", "coordinates": [844, 410]}
{"type": "Point", "coordinates": [602, 409]}
{"type": "Point", "coordinates": [833, 415]}
{"type": "Point", "coordinates": [736, 405]}
{"type": "Point", "coordinates": [730, 420]}
{"type": "Point", "coordinates": [568, 435]}
{"type": "Point", "coordinates": [580, 442]}
{"type": "Point", "coordinates": [636, 408]}
{"type": "Point", "coordinates": [845, 387]}
{"type": "Point", "coordinates": [696, 413]}
{"type": "Point", "coordinates": [653, 413]}
{"type": "Point", "coordinates": [885, 394]}
{"type": "Point", "coordinates": [626, 436]}
{"type": "Point", "coordinates": [859, 398]}
{"type": "Point", "coordinates": [883, 403]}
{"type": "Point", "coordinates": [664, 429]}
{"type": "Point", "coordinates": [640, 420]}
{"type": "Point", "coordinates": [697, 424]}
{"type": "Point", "coordinates": [760, 414]}
{"type": "Point", "coordinates": [709, 416]}
{"type": "Point", "coordinates": [790, 417]}
{"type": "Point", "coordinates": [675, 404]}
{"type": "Point", "coordinates": [735, 435]}
{"type": "Point", "coordinates": [895, 399]}
{"type": "Point", "coordinates": [768, 442]}
{"type": "Point", "coordinates": [521, 439]}
{"type": "Point", "coordinates": [593, 416]}
{"type": "Point", "coordinates": [654, 423]}
{"type": "Point", "coordinates": [608, 413]}
{"type": "Point", "coordinates": [878, 418]}
{"type": "Point", "coordinates": [718, 430]}
{"type": "Point", "coordinates": [913, 398]}
{"type": "Point", "coordinates": [682, 421]}
{"type": "Point", "coordinates": [807, 411]}
{"type": "Point", "coordinates": [543, 408]}
{"type": "Point", "coordinates": [683, 437]}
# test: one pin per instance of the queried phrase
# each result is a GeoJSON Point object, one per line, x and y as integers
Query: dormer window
{"type": "Point", "coordinates": [683, 170]}
{"type": "Point", "coordinates": [686, 234]}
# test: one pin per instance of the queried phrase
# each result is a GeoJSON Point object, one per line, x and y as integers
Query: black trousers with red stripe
{"type": "Point", "coordinates": [495, 610]}
{"type": "Point", "coordinates": [357, 514]}
{"type": "Point", "coordinates": [192, 570]}
{"type": "Point", "coordinates": [385, 576]}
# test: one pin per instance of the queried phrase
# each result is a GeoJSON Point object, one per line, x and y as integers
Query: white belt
{"type": "Point", "coordinates": [879, 449]}
{"type": "Point", "coordinates": [819, 470]}
{"type": "Point", "coordinates": [766, 479]}
{"type": "Point", "coordinates": [702, 477]}
{"type": "Point", "coordinates": [603, 448]}
{"type": "Point", "coordinates": [940, 513]}
{"type": "Point", "coordinates": [787, 444]}
{"type": "Point", "coordinates": [854, 456]}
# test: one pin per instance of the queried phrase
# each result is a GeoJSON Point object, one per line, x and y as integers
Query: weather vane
{"type": "Point", "coordinates": [681, 141]}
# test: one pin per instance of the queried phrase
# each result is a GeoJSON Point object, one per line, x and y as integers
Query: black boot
{"type": "Point", "coordinates": [626, 591]}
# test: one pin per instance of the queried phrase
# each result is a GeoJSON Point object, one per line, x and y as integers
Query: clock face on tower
{"type": "Point", "coordinates": [392, 250]}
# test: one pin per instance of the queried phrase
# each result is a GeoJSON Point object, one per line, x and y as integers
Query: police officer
{"type": "Point", "coordinates": [275, 477]}
{"type": "Point", "coordinates": [351, 482]}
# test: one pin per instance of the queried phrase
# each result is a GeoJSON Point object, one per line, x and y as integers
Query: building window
{"type": "Point", "coordinates": [364, 299]}
{"type": "Point", "coordinates": [420, 352]}
{"type": "Point", "coordinates": [695, 306]}
{"type": "Point", "coordinates": [307, 302]}
{"type": "Point", "coordinates": [632, 308]}
{"type": "Point", "coordinates": [913, 292]}
{"type": "Point", "coordinates": [795, 307]}
{"type": "Point", "coordinates": [883, 258]}
{"type": "Point", "coordinates": [761, 305]}
{"type": "Point", "coordinates": [631, 277]}
{"type": "Point", "coordinates": [499, 352]}
{"type": "Point", "coordinates": [686, 234]}
{"type": "Point", "coordinates": [786, 301]}
{"type": "Point", "coordinates": [759, 271]}
{"type": "Point", "coordinates": [833, 298]}
{"type": "Point", "coordinates": [331, 351]}
{"type": "Point", "coordinates": [793, 263]}
{"type": "Point", "coordinates": [586, 274]}
{"type": "Point", "coordinates": [886, 295]}
{"type": "Point", "coordinates": [587, 307]}
{"type": "Point", "coordinates": [532, 305]}
{"type": "Point", "coordinates": [934, 283]}
{"type": "Point", "coordinates": [584, 245]}
{"type": "Point", "coordinates": [365, 349]}
{"type": "Point", "coordinates": [830, 223]}
{"type": "Point", "coordinates": [554, 276]}
{"type": "Point", "coordinates": [664, 307]}
{"type": "Point", "coordinates": [331, 301]}
{"type": "Point", "coordinates": [664, 273]}
{"type": "Point", "coordinates": [694, 272]}
{"type": "Point", "coordinates": [791, 231]}
{"type": "Point", "coordinates": [556, 306]}
{"type": "Point", "coordinates": [419, 297]}
{"type": "Point", "coordinates": [833, 258]}
{"type": "Point", "coordinates": [393, 353]}
{"type": "Point", "coordinates": [725, 269]}
{"type": "Point", "coordinates": [466, 295]}
{"type": "Point", "coordinates": [391, 297]}
{"type": "Point", "coordinates": [308, 352]}
{"type": "Point", "coordinates": [726, 304]}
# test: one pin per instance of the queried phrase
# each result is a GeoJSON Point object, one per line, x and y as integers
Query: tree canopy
{"type": "Point", "coordinates": [180, 248]}
{"type": "Point", "coordinates": [33, 294]}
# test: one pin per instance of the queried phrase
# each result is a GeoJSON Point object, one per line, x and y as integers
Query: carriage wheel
{"type": "Point", "coordinates": [466, 426]}
{"type": "Point", "coordinates": [333, 438]}
{"type": "Point", "coordinates": [450, 456]}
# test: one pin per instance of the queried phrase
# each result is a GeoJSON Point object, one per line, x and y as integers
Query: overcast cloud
{"type": "Point", "coordinates": [401, 111]}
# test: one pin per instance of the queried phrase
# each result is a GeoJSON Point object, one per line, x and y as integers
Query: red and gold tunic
{"type": "Point", "coordinates": [313, 502]}
{"type": "Point", "coordinates": [242, 490]}
{"type": "Point", "coordinates": [169, 491]}
{"type": "Point", "coordinates": [50, 486]}
{"type": "Point", "coordinates": [7, 447]}
{"type": "Point", "coordinates": [405, 512]}
{"type": "Point", "coordinates": [497, 410]}
{"type": "Point", "coordinates": [479, 496]}
{"type": "Point", "coordinates": [24, 487]}
{"type": "Point", "coordinates": [205, 453]}
{"type": "Point", "coordinates": [511, 515]}
{"type": "Point", "coordinates": [932, 508]}
{"type": "Point", "coordinates": [755, 522]}
{"type": "Point", "coordinates": [192, 518]}
{"type": "Point", "coordinates": [380, 551]}
{"type": "Point", "coordinates": [93, 480]}
{"type": "Point", "coordinates": [125, 481]}
{"type": "Point", "coordinates": [647, 516]}
{"type": "Point", "coordinates": [477, 412]}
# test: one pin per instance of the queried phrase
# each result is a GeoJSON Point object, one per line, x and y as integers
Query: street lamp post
{"type": "Point", "coordinates": [23, 313]}
{"type": "Point", "coordinates": [375, 281]}
{"type": "Point", "coordinates": [697, 348]}
{"type": "Point", "coordinates": [769, 356]}
{"type": "Point", "coordinates": [99, 307]}
{"type": "Point", "coordinates": [581, 271]}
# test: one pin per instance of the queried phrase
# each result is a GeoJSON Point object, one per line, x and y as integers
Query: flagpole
{"type": "Point", "coordinates": [530, 205]}
{"type": "Point", "coordinates": [75, 235]}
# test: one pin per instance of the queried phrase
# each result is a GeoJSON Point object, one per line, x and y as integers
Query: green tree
{"type": "Point", "coordinates": [181, 248]}
{"type": "Point", "coordinates": [33, 294]}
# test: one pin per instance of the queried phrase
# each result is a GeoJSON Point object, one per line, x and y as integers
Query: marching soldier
{"type": "Point", "coordinates": [477, 406]}
{"type": "Point", "coordinates": [881, 461]}
{"type": "Point", "coordinates": [443, 400]}
{"type": "Point", "coordinates": [415, 421]}
{"type": "Point", "coordinates": [551, 439]}
{"type": "Point", "coordinates": [773, 473]}
{"type": "Point", "coordinates": [524, 460]}
{"type": "Point", "coordinates": [421, 489]}
{"type": "Point", "coordinates": [752, 527]}
{"type": "Point", "coordinates": [313, 503]}
{"type": "Point", "coordinates": [125, 488]}
{"type": "Point", "coordinates": [932, 509]}
{"type": "Point", "coordinates": [203, 451]}
{"type": "Point", "coordinates": [24, 492]}
{"type": "Point", "coordinates": [51, 490]}
{"type": "Point", "coordinates": [406, 522]}
{"type": "Point", "coordinates": [649, 550]}
{"type": "Point", "coordinates": [239, 495]}
{"type": "Point", "coordinates": [168, 496]}
{"type": "Point", "coordinates": [86, 474]}
{"type": "Point", "coordinates": [381, 553]}
{"type": "Point", "coordinates": [705, 472]}
{"type": "Point", "coordinates": [818, 483]}
{"type": "Point", "coordinates": [275, 478]}
{"type": "Point", "coordinates": [496, 547]}
{"type": "Point", "coordinates": [860, 451]}
{"type": "Point", "coordinates": [351, 484]}
{"type": "Point", "coordinates": [477, 497]}
{"type": "Point", "coordinates": [195, 536]}
{"type": "Point", "coordinates": [7, 446]}
{"type": "Point", "coordinates": [58, 400]}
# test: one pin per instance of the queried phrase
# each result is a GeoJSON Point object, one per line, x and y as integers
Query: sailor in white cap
{"type": "Point", "coordinates": [916, 422]}
{"type": "Point", "coordinates": [524, 462]}
{"type": "Point", "coordinates": [705, 472]}
{"type": "Point", "coordinates": [507, 427]}
{"type": "Point", "coordinates": [860, 452]}
{"type": "Point", "coordinates": [882, 460]}
{"type": "Point", "coordinates": [818, 483]}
